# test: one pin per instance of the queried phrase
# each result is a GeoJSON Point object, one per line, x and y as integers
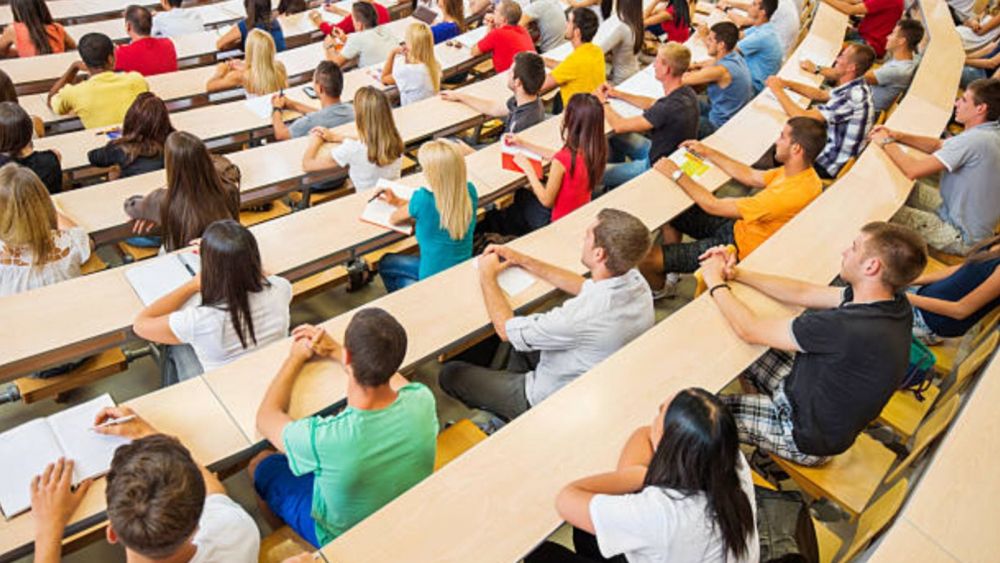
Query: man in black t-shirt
{"type": "Point", "coordinates": [670, 119]}
{"type": "Point", "coordinates": [832, 369]}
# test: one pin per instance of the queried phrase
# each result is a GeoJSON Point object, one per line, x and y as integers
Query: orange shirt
{"type": "Point", "coordinates": [762, 214]}
{"type": "Point", "coordinates": [25, 48]}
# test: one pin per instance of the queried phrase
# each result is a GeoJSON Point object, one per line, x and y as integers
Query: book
{"type": "Point", "coordinates": [424, 14]}
{"type": "Point", "coordinates": [260, 106]}
{"type": "Point", "coordinates": [507, 153]}
{"type": "Point", "coordinates": [35, 444]}
{"type": "Point", "coordinates": [512, 280]}
{"type": "Point", "coordinates": [690, 164]}
{"type": "Point", "coordinates": [155, 278]}
{"type": "Point", "coordinates": [378, 212]}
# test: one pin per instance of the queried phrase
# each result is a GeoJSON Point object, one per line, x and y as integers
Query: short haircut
{"type": "Point", "coordinates": [678, 57]}
{"type": "Point", "coordinates": [377, 345]}
{"type": "Point", "coordinates": [901, 250]}
{"type": "Point", "coordinates": [330, 77]}
{"type": "Point", "coordinates": [175, 3]}
{"type": "Point", "coordinates": [529, 68]}
{"type": "Point", "coordinates": [585, 20]}
{"type": "Point", "coordinates": [987, 91]}
{"type": "Point", "coordinates": [810, 134]}
{"type": "Point", "coordinates": [912, 32]}
{"type": "Point", "coordinates": [155, 495]}
{"type": "Point", "coordinates": [770, 7]}
{"type": "Point", "coordinates": [95, 49]}
{"type": "Point", "coordinates": [862, 56]}
{"type": "Point", "coordinates": [726, 33]}
{"type": "Point", "coordinates": [510, 11]}
{"type": "Point", "coordinates": [365, 13]}
{"type": "Point", "coordinates": [140, 19]}
{"type": "Point", "coordinates": [624, 238]}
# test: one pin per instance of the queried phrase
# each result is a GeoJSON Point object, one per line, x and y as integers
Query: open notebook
{"type": "Point", "coordinates": [155, 278]}
{"type": "Point", "coordinates": [33, 445]}
{"type": "Point", "coordinates": [690, 164]}
{"type": "Point", "coordinates": [379, 212]}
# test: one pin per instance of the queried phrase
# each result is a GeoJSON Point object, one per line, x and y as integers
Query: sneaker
{"type": "Point", "coordinates": [669, 289]}
{"type": "Point", "coordinates": [490, 425]}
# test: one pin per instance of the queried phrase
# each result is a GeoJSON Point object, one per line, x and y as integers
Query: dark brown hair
{"type": "Point", "coordinates": [139, 19]}
{"type": "Point", "coordinates": [455, 9]}
{"type": "Point", "coordinates": [586, 21]}
{"type": "Point", "coordinates": [145, 129]}
{"type": "Point", "coordinates": [901, 250]}
{"type": "Point", "coordinates": [726, 33]}
{"type": "Point", "coordinates": [624, 238]}
{"type": "Point", "coordinates": [230, 272]}
{"type": "Point", "coordinates": [583, 133]}
{"type": "Point", "coordinates": [529, 68]}
{"type": "Point", "coordinates": [912, 31]}
{"type": "Point", "coordinates": [630, 13]}
{"type": "Point", "coordinates": [987, 91]}
{"type": "Point", "coordinates": [286, 7]}
{"type": "Point", "coordinates": [258, 14]}
{"type": "Point", "coordinates": [35, 16]}
{"type": "Point", "coordinates": [377, 345]}
{"type": "Point", "coordinates": [810, 134]}
{"type": "Point", "coordinates": [8, 93]}
{"type": "Point", "coordinates": [16, 129]}
{"type": "Point", "coordinates": [862, 56]}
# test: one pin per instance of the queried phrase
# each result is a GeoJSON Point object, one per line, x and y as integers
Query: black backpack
{"type": "Point", "coordinates": [785, 528]}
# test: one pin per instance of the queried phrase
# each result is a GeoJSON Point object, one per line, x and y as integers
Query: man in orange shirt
{"type": "Point", "coordinates": [744, 222]}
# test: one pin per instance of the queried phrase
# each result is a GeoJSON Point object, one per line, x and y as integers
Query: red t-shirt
{"type": "Point", "coordinates": [575, 189]}
{"type": "Point", "coordinates": [505, 42]}
{"type": "Point", "coordinates": [675, 31]}
{"type": "Point", "coordinates": [878, 22]}
{"type": "Point", "coordinates": [147, 56]}
{"type": "Point", "coordinates": [347, 24]}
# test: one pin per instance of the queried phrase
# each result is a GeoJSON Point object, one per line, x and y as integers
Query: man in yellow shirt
{"type": "Point", "coordinates": [583, 70]}
{"type": "Point", "coordinates": [744, 222]}
{"type": "Point", "coordinates": [102, 99]}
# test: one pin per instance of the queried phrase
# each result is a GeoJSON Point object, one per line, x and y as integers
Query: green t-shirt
{"type": "Point", "coordinates": [362, 459]}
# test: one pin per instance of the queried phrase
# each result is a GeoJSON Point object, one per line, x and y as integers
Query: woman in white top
{"type": "Point", "coordinates": [682, 492]}
{"type": "Point", "coordinates": [238, 307]}
{"type": "Point", "coordinates": [624, 40]}
{"type": "Point", "coordinates": [418, 75]}
{"type": "Point", "coordinates": [259, 73]}
{"type": "Point", "coordinates": [377, 151]}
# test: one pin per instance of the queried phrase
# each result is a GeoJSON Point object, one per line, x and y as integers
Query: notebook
{"type": "Point", "coordinates": [378, 212]}
{"type": "Point", "coordinates": [471, 38]}
{"type": "Point", "coordinates": [507, 153]}
{"type": "Point", "coordinates": [260, 105]}
{"type": "Point", "coordinates": [155, 278]}
{"type": "Point", "coordinates": [690, 164]}
{"type": "Point", "coordinates": [33, 445]}
{"type": "Point", "coordinates": [425, 14]}
{"type": "Point", "coordinates": [512, 280]}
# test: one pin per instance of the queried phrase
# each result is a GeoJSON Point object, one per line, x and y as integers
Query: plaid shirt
{"type": "Point", "coordinates": [849, 115]}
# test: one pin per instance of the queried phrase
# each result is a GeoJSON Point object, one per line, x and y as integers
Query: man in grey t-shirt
{"type": "Point", "coordinates": [550, 16]}
{"type": "Point", "coordinates": [328, 83]}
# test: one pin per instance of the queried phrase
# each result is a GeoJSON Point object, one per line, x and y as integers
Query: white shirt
{"type": "Point", "coordinates": [617, 38]}
{"type": "Point", "coordinates": [209, 330]}
{"type": "Point", "coordinates": [353, 154]}
{"type": "Point", "coordinates": [226, 533]}
{"type": "Point", "coordinates": [17, 273]}
{"type": "Point", "coordinates": [551, 18]}
{"type": "Point", "coordinates": [178, 21]}
{"type": "Point", "coordinates": [658, 525]}
{"type": "Point", "coordinates": [413, 81]}
{"type": "Point", "coordinates": [371, 46]}
{"type": "Point", "coordinates": [786, 23]}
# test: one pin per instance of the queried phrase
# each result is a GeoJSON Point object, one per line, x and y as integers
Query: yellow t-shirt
{"type": "Point", "coordinates": [102, 99]}
{"type": "Point", "coordinates": [768, 210]}
{"type": "Point", "coordinates": [582, 71]}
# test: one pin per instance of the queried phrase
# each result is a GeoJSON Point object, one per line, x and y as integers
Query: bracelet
{"type": "Point", "coordinates": [711, 292]}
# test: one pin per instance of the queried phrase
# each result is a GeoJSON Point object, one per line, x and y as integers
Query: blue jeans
{"type": "Point", "coordinates": [399, 271]}
{"type": "Point", "coordinates": [288, 496]}
{"type": "Point", "coordinates": [705, 127]}
{"type": "Point", "coordinates": [635, 148]}
{"type": "Point", "coordinates": [971, 74]}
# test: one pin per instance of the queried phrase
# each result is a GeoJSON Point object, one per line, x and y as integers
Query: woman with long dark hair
{"type": "Point", "coordinates": [8, 93]}
{"type": "Point", "coordinates": [33, 31]}
{"type": "Point", "coordinates": [144, 133]}
{"type": "Point", "coordinates": [16, 129]}
{"type": "Point", "coordinates": [670, 17]}
{"type": "Point", "coordinates": [624, 42]}
{"type": "Point", "coordinates": [259, 16]}
{"type": "Point", "coordinates": [240, 307]}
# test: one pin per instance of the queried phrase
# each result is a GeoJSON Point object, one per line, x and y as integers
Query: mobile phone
{"type": "Point", "coordinates": [310, 91]}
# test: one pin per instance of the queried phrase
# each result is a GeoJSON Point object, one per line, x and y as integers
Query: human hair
{"type": "Point", "coordinates": [377, 345]}
{"type": "Point", "coordinates": [95, 50]}
{"type": "Point", "coordinates": [258, 13]}
{"type": "Point", "coordinates": [15, 129]}
{"type": "Point", "coordinates": [27, 214]}
{"type": "Point", "coordinates": [901, 250]}
{"type": "Point", "coordinates": [230, 272]}
{"type": "Point", "coordinates": [585, 20]}
{"type": "Point", "coordinates": [510, 12]}
{"type": "Point", "coordinates": [286, 7]}
{"type": "Point", "coordinates": [726, 33]}
{"type": "Point", "coordinates": [987, 91]}
{"type": "Point", "coordinates": [196, 196]}
{"type": "Point", "coordinates": [682, 12]}
{"type": "Point", "coordinates": [529, 68]}
{"type": "Point", "coordinates": [769, 7]}
{"type": "Point", "coordinates": [35, 16]}
{"type": "Point", "coordinates": [862, 56]}
{"type": "Point", "coordinates": [155, 495]}
{"type": "Point", "coordinates": [912, 32]}
{"type": "Point", "coordinates": [624, 238]}
{"type": "Point", "coordinates": [365, 14]}
{"type": "Point", "coordinates": [376, 127]}
{"type": "Point", "coordinates": [265, 74]}
{"type": "Point", "coordinates": [139, 19]}
{"type": "Point", "coordinates": [145, 128]}
{"type": "Point", "coordinates": [583, 134]}
{"type": "Point", "coordinates": [698, 454]}
{"type": "Point", "coordinates": [678, 57]}
{"type": "Point", "coordinates": [630, 13]}
{"type": "Point", "coordinates": [455, 9]}
{"type": "Point", "coordinates": [981, 251]}
{"type": "Point", "coordinates": [175, 3]}
{"type": "Point", "coordinates": [8, 92]}
{"type": "Point", "coordinates": [444, 168]}
{"type": "Point", "coordinates": [330, 77]}
{"type": "Point", "coordinates": [810, 134]}
{"type": "Point", "coordinates": [421, 50]}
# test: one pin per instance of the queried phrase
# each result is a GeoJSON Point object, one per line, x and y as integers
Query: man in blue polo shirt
{"type": "Point", "coordinates": [761, 46]}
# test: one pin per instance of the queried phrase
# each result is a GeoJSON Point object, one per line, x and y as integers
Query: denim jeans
{"type": "Point", "coordinates": [399, 270]}
{"type": "Point", "coordinates": [705, 127]}
{"type": "Point", "coordinates": [180, 363]}
{"type": "Point", "coordinates": [631, 146]}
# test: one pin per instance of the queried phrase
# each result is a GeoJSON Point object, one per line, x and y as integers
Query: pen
{"type": "Point", "coordinates": [114, 421]}
{"type": "Point", "coordinates": [187, 267]}
{"type": "Point", "coordinates": [374, 197]}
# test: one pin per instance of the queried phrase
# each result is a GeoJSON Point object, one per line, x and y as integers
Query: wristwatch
{"type": "Point", "coordinates": [676, 176]}
{"type": "Point", "coordinates": [887, 141]}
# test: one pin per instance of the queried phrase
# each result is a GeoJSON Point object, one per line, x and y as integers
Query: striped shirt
{"type": "Point", "coordinates": [848, 115]}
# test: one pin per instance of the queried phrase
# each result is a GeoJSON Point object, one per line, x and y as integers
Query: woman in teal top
{"type": "Point", "coordinates": [445, 217]}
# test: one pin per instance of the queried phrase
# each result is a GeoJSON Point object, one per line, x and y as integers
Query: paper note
{"type": "Point", "coordinates": [690, 164]}
{"type": "Point", "coordinates": [378, 212]}
{"type": "Point", "coordinates": [155, 278]}
{"type": "Point", "coordinates": [471, 38]}
{"type": "Point", "coordinates": [512, 280]}
{"type": "Point", "coordinates": [260, 105]}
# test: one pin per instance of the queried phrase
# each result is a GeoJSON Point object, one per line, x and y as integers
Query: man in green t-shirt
{"type": "Point", "coordinates": [337, 470]}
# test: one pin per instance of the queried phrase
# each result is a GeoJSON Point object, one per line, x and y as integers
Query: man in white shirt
{"type": "Point", "coordinates": [172, 20]}
{"type": "Point", "coordinates": [550, 17]}
{"type": "Point", "coordinates": [368, 45]}
{"type": "Point", "coordinates": [184, 516]}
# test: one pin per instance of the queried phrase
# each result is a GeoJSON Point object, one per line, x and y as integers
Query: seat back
{"type": "Point", "coordinates": [971, 364]}
{"type": "Point", "coordinates": [456, 440]}
{"type": "Point", "coordinates": [933, 427]}
{"type": "Point", "coordinates": [876, 517]}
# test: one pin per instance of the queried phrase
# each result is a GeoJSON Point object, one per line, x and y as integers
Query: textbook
{"type": "Point", "coordinates": [378, 212]}
{"type": "Point", "coordinates": [507, 153]}
{"type": "Point", "coordinates": [155, 278]}
{"type": "Point", "coordinates": [33, 445]}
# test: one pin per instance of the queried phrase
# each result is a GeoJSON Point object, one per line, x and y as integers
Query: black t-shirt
{"type": "Point", "coordinates": [113, 155]}
{"type": "Point", "coordinates": [45, 164]}
{"type": "Point", "coordinates": [854, 357]}
{"type": "Point", "coordinates": [674, 119]}
{"type": "Point", "coordinates": [520, 117]}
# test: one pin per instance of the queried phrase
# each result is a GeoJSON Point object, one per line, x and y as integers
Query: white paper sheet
{"type": "Point", "coordinates": [155, 278]}
{"type": "Point", "coordinates": [380, 213]}
{"type": "Point", "coordinates": [512, 280]}
{"type": "Point", "coordinates": [260, 105]}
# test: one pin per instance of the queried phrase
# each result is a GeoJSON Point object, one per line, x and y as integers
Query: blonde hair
{"type": "Point", "coordinates": [420, 41]}
{"type": "Point", "coordinates": [678, 57]}
{"type": "Point", "coordinates": [264, 74]}
{"type": "Point", "coordinates": [376, 128]}
{"type": "Point", "coordinates": [27, 215]}
{"type": "Point", "coordinates": [444, 169]}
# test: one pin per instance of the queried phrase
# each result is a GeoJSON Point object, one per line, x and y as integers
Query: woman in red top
{"type": "Point", "coordinates": [674, 19]}
{"type": "Point", "coordinates": [33, 32]}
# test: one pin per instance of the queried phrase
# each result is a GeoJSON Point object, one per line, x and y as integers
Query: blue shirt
{"type": "Point", "coordinates": [727, 101]}
{"type": "Point", "coordinates": [444, 31]}
{"type": "Point", "coordinates": [438, 251]}
{"type": "Point", "coordinates": [953, 288]}
{"type": "Point", "coordinates": [761, 47]}
{"type": "Point", "coordinates": [275, 31]}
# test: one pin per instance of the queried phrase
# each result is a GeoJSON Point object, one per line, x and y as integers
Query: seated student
{"type": "Point", "coordinates": [452, 20]}
{"type": "Point", "coordinates": [760, 45]}
{"type": "Point", "coordinates": [33, 31]}
{"type": "Point", "coordinates": [980, 30]}
{"type": "Point", "coordinates": [682, 491]}
{"type": "Point", "coordinates": [346, 25]}
{"type": "Point", "coordinates": [16, 146]}
{"type": "Point", "coordinates": [550, 18]}
{"type": "Point", "coordinates": [832, 369]}
{"type": "Point", "coordinates": [505, 38]}
{"type": "Point", "coordinates": [444, 215]}
{"type": "Point", "coordinates": [184, 513]}
{"type": "Point", "coordinates": [144, 54]}
{"type": "Point", "coordinates": [745, 222]}
{"type": "Point", "coordinates": [259, 73]}
{"type": "Point", "coordinates": [670, 17]}
{"type": "Point", "coordinates": [878, 17]}
{"type": "Point", "coordinates": [8, 93]}
{"type": "Point", "coordinates": [846, 109]}
{"type": "Point", "coordinates": [729, 86]}
{"type": "Point", "coordinates": [669, 120]}
{"type": "Point", "coordinates": [981, 63]}
{"type": "Point", "coordinates": [607, 312]}
{"type": "Point", "coordinates": [785, 19]}
{"type": "Point", "coordinates": [334, 471]}
{"type": "Point", "coordinates": [328, 83]}
{"type": "Point", "coordinates": [291, 7]}
{"type": "Point", "coordinates": [104, 97]}
{"type": "Point", "coordinates": [624, 40]}
{"type": "Point", "coordinates": [377, 151]}
{"type": "Point", "coordinates": [259, 16]}
{"type": "Point", "coordinates": [600, 8]}
{"type": "Point", "coordinates": [369, 46]}
{"type": "Point", "coordinates": [172, 20]}
{"type": "Point", "coordinates": [418, 75]}
{"type": "Point", "coordinates": [144, 132]}
{"type": "Point", "coordinates": [584, 69]}
{"type": "Point", "coordinates": [966, 209]}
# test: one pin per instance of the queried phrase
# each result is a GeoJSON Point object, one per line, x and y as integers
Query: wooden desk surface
{"type": "Point", "coordinates": [904, 542]}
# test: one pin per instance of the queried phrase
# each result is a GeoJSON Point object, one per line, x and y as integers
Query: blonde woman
{"type": "Point", "coordinates": [444, 214]}
{"type": "Point", "coordinates": [375, 153]}
{"type": "Point", "coordinates": [259, 74]}
{"type": "Point", "coordinates": [418, 76]}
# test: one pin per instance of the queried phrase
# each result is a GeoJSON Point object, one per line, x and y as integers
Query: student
{"type": "Point", "coordinates": [172, 20]}
{"type": "Point", "coordinates": [259, 73]}
{"type": "Point", "coordinates": [600, 8]}
{"type": "Point", "coordinates": [139, 149]}
{"type": "Point", "coordinates": [760, 45]}
{"type": "Point", "coordinates": [346, 25]}
{"type": "Point", "coordinates": [328, 83]}
{"type": "Point", "coordinates": [607, 311]}
{"type": "Point", "coordinates": [444, 216]}
{"type": "Point", "coordinates": [452, 22]}
{"type": "Point", "coordinates": [259, 16]}
{"type": "Point", "coordinates": [33, 31]}
{"type": "Point", "coordinates": [505, 37]}
{"type": "Point", "coordinates": [669, 120]}
{"type": "Point", "coordinates": [144, 54]}
{"type": "Point", "coordinates": [729, 86]}
{"type": "Point", "coordinates": [583, 70]}
{"type": "Point", "coordinates": [334, 471]}
{"type": "Point", "coordinates": [8, 93]}
{"type": "Point", "coordinates": [624, 41]}
{"type": "Point", "coordinates": [377, 151]}
{"type": "Point", "coordinates": [682, 491]}
{"type": "Point", "coordinates": [674, 20]}
{"type": "Point", "coordinates": [291, 7]}
{"type": "Point", "coordinates": [369, 46]}
{"type": "Point", "coordinates": [184, 513]}
{"type": "Point", "coordinates": [104, 97]}
{"type": "Point", "coordinates": [878, 17]}
{"type": "Point", "coordinates": [550, 17]}
{"type": "Point", "coordinates": [745, 222]}
{"type": "Point", "coordinates": [846, 109]}
{"type": "Point", "coordinates": [966, 209]}
{"type": "Point", "coordinates": [830, 370]}
{"type": "Point", "coordinates": [784, 19]}
{"type": "Point", "coordinates": [418, 76]}
{"type": "Point", "coordinates": [16, 146]}
{"type": "Point", "coordinates": [981, 63]}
